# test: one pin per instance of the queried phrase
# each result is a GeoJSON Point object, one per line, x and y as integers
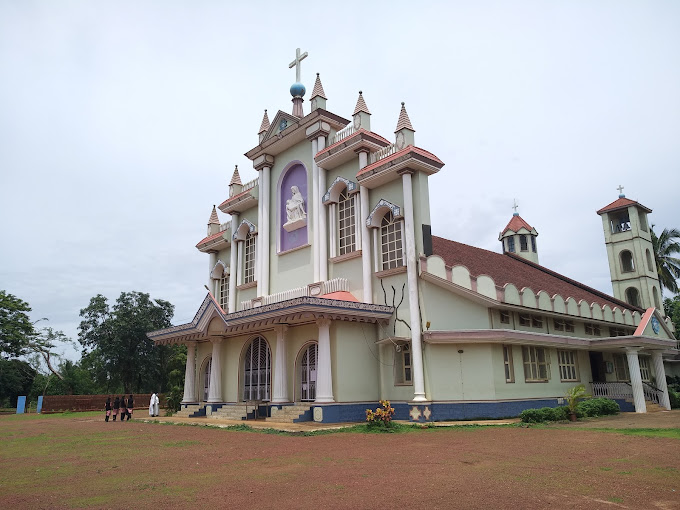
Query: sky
{"type": "Point", "coordinates": [121, 123]}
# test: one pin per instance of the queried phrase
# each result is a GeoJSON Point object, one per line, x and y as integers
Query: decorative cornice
{"type": "Point", "coordinates": [396, 211]}
{"type": "Point", "coordinates": [351, 187]}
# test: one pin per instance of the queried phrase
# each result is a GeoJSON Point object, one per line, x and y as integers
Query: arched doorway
{"type": "Point", "coordinates": [308, 372]}
{"type": "Point", "coordinates": [257, 370]}
{"type": "Point", "coordinates": [205, 387]}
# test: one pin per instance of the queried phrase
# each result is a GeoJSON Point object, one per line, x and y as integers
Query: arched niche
{"type": "Point", "coordinates": [436, 266]}
{"type": "Point", "coordinates": [528, 298]}
{"type": "Point", "coordinates": [572, 306]}
{"type": "Point", "coordinates": [628, 318]}
{"type": "Point", "coordinates": [486, 286]}
{"type": "Point", "coordinates": [618, 315]}
{"type": "Point", "coordinates": [293, 176]}
{"type": "Point", "coordinates": [219, 271]}
{"type": "Point", "coordinates": [512, 294]}
{"type": "Point", "coordinates": [544, 302]}
{"type": "Point", "coordinates": [461, 276]}
{"type": "Point", "coordinates": [245, 227]}
{"type": "Point", "coordinates": [607, 313]}
{"type": "Point", "coordinates": [596, 311]}
{"type": "Point", "coordinates": [585, 309]}
{"type": "Point", "coordinates": [337, 186]}
{"type": "Point", "coordinates": [382, 207]}
{"type": "Point", "coordinates": [558, 304]}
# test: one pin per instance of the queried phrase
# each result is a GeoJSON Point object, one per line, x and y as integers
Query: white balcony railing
{"type": "Point", "coordinates": [612, 390]}
{"type": "Point", "coordinates": [245, 187]}
{"type": "Point", "coordinates": [342, 134]}
{"type": "Point", "coordinates": [383, 153]}
{"type": "Point", "coordinates": [314, 289]}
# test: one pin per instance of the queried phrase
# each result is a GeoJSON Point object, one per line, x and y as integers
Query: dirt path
{"type": "Point", "coordinates": [82, 462]}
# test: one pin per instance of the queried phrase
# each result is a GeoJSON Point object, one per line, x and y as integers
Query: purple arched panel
{"type": "Point", "coordinates": [295, 176]}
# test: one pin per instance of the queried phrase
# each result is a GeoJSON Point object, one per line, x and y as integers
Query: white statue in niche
{"type": "Point", "coordinates": [295, 210]}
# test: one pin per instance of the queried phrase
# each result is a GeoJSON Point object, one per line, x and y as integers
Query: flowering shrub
{"type": "Point", "coordinates": [382, 415]}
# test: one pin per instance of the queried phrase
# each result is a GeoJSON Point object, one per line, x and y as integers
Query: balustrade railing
{"type": "Point", "coordinates": [245, 187]}
{"type": "Point", "coordinates": [651, 393]}
{"type": "Point", "coordinates": [334, 285]}
{"type": "Point", "coordinates": [342, 134]}
{"type": "Point", "coordinates": [383, 153]}
{"type": "Point", "coordinates": [612, 389]}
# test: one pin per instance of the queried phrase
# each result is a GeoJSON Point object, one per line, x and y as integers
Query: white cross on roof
{"type": "Point", "coordinates": [297, 63]}
{"type": "Point", "coordinates": [620, 188]}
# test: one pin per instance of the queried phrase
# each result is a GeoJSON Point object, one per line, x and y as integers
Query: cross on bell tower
{"type": "Point", "coordinates": [297, 89]}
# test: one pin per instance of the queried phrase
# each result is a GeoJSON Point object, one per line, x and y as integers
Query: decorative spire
{"type": "Point", "coordinates": [361, 105]}
{"type": "Point", "coordinates": [236, 178]}
{"type": "Point", "coordinates": [318, 88]}
{"type": "Point", "coordinates": [404, 122]}
{"type": "Point", "coordinates": [265, 123]}
{"type": "Point", "coordinates": [213, 217]}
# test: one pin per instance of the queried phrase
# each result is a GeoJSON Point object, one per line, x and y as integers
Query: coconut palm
{"type": "Point", "coordinates": [668, 266]}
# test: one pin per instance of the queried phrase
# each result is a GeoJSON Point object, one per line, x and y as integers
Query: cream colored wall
{"type": "Point", "coordinates": [448, 311]}
{"type": "Point", "coordinates": [398, 281]}
{"type": "Point", "coordinates": [296, 339]}
{"type": "Point", "coordinates": [421, 208]}
{"type": "Point", "coordinates": [350, 269]}
{"type": "Point", "coordinates": [354, 357]}
{"type": "Point", "coordinates": [459, 376]}
{"type": "Point", "coordinates": [388, 389]}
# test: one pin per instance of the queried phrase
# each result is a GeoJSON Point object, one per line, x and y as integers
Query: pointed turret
{"type": "Point", "coordinates": [235, 186]}
{"type": "Point", "coordinates": [264, 126]}
{"type": "Point", "coordinates": [519, 237]}
{"type": "Point", "coordinates": [318, 99]}
{"type": "Point", "coordinates": [361, 115]}
{"type": "Point", "coordinates": [213, 222]}
{"type": "Point", "coordinates": [404, 132]}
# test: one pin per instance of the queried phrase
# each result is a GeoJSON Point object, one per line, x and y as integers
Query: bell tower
{"type": "Point", "coordinates": [630, 252]}
{"type": "Point", "coordinates": [519, 237]}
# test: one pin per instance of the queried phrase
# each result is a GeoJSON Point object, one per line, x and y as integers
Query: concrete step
{"type": "Point", "coordinates": [288, 414]}
{"type": "Point", "coordinates": [185, 412]}
{"type": "Point", "coordinates": [655, 408]}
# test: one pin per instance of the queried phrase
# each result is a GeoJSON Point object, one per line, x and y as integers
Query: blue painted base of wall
{"type": "Point", "coordinates": [441, 411]}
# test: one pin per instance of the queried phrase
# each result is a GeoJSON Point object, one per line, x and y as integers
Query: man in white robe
{"type": "Point", "coordinates": [153, 405]}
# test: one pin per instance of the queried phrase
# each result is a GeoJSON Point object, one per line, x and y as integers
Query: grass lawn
{"type": "Point", "coordinates": [78, 461]}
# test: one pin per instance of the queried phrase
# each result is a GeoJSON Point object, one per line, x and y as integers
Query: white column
{"type": "Point", "coordinates": [190, 375]}
{"type": "Point", "coordinates": [215, 391]}
{"type": "Point", "coordinates": [264, 229]}
{"type": "Point", "coordinates": [660, 374]}
{"type": "Point", "coordinates": [315, 211]}
{"type": "Point", "coordinates": [239, 261]}
{"type": "Point", "coordinates": [280, 373]}
{"type": "Point", "coordinates": [259, 240]}
{"type": "Point", "coordinates": [234, 268]}
{"type": "Point", "coordinates": [332, 226]}
{"type": "Point", "coordinates": [324, 375]}
{"type": "Point", "coordinates": [376, 250]}
{"type": "Point", "coordinates": [636, 381]}
{"type": "Point", "coordinates": [323, 224]}
{"type": "Point", "coordinates": [357, 221]}
{"type": "Point", "coordinates": [365, 246]}
{"type": "Point", "coordinates": [212, 262]}
{"type": "Point", "coordinates": [412, 279]}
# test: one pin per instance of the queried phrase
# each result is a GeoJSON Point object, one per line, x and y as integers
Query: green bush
{"type": "Point", "coordinates": [597, 407]}
{"type": "Point", "coordinates": [543, 414]}
{"type": "Point", "coordinates": [675, 398]}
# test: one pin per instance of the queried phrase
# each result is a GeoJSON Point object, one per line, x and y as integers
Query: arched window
{"type": "Point", "coordinates": [207, 367]}
{"type": "Point", "coordinates": [627, 264]}
{"type": "Point", "coordinates": [650, 264]}
{"type": "Point", "coordinates": [632, 296]}
{"type": "Point", "coordinates": [657, 301]}
{"type": "Point", "coordinates": [249, 259]}
{"type": "Point", "coordinates": [391, 242]}
{"type": "Point", "coordinates": [346, 223]}
{"type": "Point", "coordinates": [511, 244]}
{"type": "Point", "coordinates": [257, 370]}
{"type": "Point", "coordinates": [308, 372]}
{"type": "Point", "coordinates": [523, 244]}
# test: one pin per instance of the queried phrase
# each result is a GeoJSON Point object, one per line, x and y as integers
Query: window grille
{"type": "Point", "coordinates": [536, 321]}
{"type": "Point", "coordinates": [536, 364]}
{"type": "Point", "coordinates": [224, 292]}
{"type": "Point", "coordinates": [524, 319]}
{"type": "Point", "coordinates": [309, 371]}
{"type": "Point", "coordinates": [593, 329]}
{"type": "Point", "coordinates": [346, 223]}
{"type": "Point", "coordinates": [568, 365]}
{"type": "Point", "coordinates": [523, 245]}
{"type": "Point", "coordinates": [391, 243]}
{"type": "Point", "coordinates": [511, 244]}
{"type": "Point", "coordinates": [403, 364]}
{"type": "Point", "coordinates": [644, 368]}
{"type": "Point", "coordinates": [249, 263]}
{"type": "Point", "coordinates": [505, 317]}
{"type": "Point", "coordinates": [621, 367]}
{"type": "Point", "coordinates": [507, 361]}
{"type": "Point", "coordinates": [257, 371]}
{"type": "Point", "coordinates": [533, 244]}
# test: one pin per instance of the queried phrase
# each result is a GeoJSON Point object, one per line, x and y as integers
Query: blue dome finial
{"type": "Point", "coordinates": [297, 89]}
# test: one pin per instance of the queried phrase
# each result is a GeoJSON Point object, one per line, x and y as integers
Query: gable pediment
{"type": "Point", "coordinates": [281, 122]}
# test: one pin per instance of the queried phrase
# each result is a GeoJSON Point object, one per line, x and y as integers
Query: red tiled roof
{"type": "Point", "coordinates": [507, 268]}
{"type": "Point", "coordinates": [621, 203]}
{"type": "Point", "coordinates": [209, 238]}
{"type": "Point", "coordinates": [517, 223]}
{"type": "Point", "coordinates": [341, 296]}
{"type": "Point", "coordinates": [230, 199]}
{"type": "Point", "coordinates": [345, 140]}
{"type": "Point", "coordinates": [398, 154]}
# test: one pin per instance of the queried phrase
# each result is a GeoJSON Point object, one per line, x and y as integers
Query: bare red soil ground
{"type": "Point", "coordinates": [79, 461]}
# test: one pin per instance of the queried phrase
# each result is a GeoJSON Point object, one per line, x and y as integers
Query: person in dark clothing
{"type": "Point", "coordinates": [116, 407]}
{"type": "Point", "coordinates": [108, 408]}
{"type": "Point", "coordinates": [123, 408]}
{"type": "Point", "coordinates": [130, 405]}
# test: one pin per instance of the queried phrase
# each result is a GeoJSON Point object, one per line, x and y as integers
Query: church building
{"type": "Point", "coordinates": [328, 292]}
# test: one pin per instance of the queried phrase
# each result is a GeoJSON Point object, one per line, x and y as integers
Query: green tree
{"type": "Point", "coordinates": [16, 327]}
{"type": "Point", "coordinates": [16, 378]}
{"type": "Point", "coordinates": [665, 247]}
{"type": "Point", "coordinates": [672, 309]}
{"type": "Point", "coordinates": [117, 337]}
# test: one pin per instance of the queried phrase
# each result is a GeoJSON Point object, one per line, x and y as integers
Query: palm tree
{"type": "Point", "coordinates": [668, 266]}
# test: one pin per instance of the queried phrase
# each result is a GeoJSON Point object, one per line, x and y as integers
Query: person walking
{"type": "Point", "coordinates": [123, 408]}
{"type": "Point", "coordinates": [116, 407]}
{"type": "Point", "coordinates": [130, 406]}
{"type": "Point", "coordinates": [107, 407]}
{"type": "Point", "coordinates": [153, 405]}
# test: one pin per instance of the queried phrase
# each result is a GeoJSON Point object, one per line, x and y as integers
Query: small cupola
{"type": "Point", "coordinates": [519, 237]}
{"type": "Point", "coordinates": [318, 99]}
{"type": "Point", "coordinates": [404, 134]}
{"type": "Point", "coordinates": [264, 127]}
{"type": "Point", "coordinates": [361, 115]}
{"type": "Point", "coordinates": [213, 222]}
{"type": "Point", "coordinates": [235, 186]}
